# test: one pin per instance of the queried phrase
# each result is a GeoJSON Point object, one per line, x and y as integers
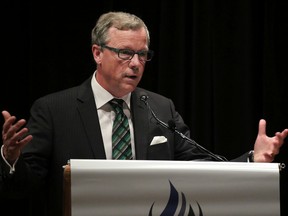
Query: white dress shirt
{"type": "Point", "coordinates": [106, 115]}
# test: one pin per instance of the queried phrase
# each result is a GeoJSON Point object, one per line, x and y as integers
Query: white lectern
{"type": "Point", "coordinates": [167, 188]}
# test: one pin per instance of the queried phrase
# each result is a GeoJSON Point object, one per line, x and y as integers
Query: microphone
{"type": "Point", "coordinates": [172, 127]}
{"type": "Point", "coordinates": [163, 124]}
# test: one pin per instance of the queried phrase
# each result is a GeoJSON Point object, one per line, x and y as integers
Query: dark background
{"type": "Point", "coordinates": [224, 63]}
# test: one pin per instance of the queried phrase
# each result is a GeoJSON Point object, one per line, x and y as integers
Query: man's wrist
{"type": "Point", "coordinates": [12, 167]}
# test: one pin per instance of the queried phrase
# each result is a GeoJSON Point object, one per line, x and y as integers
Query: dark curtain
{"type": "Point", "coordinates": [224, 63]}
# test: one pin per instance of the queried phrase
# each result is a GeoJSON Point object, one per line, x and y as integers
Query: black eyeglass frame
{"type": "Point", "coordinates": [129, 54]}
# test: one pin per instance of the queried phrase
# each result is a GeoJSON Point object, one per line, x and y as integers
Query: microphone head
{"type": "Point", "coordinates": [143, 97]}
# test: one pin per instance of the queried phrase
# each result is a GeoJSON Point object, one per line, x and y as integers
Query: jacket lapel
{"type": "Point", "coordinates": [140, 122]}
{"type": "Point", "coordinates": [90, 120]}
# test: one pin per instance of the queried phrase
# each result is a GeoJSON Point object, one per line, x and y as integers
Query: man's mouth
{"type": "Point", "coordinates": [131, 77]}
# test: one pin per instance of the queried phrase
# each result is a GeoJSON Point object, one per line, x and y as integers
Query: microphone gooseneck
{"type": "Point", "coordinates": [163, 124]}
{"type": "Point", "coordinates": [172, 127]}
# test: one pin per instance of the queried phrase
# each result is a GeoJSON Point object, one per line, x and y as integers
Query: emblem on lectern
{"type": "Point", "coordinates": [174, 203]}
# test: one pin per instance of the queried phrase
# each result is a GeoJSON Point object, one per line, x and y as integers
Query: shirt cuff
{"type": "Point", "coordinates": [12, 168]}
{"type": "Point", "coordinates": [250, 157]}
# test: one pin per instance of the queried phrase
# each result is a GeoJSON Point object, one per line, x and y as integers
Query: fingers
{"type": "Point", "coordinates": [280, 136]}
{"type": "Point", "coordinates": [9, 128]}
{"type": "Point", "coordinates": [8, 121]}
{"type": "Point", "coordinates": [6, 114]}
{"type": "Point", "coordinates": [12, 132]}
{"type": "Point", "coordinates": [277, 143]}
{"type": "Point", "coordinates": [24, 141]}
{"type": "Point", "coordinates": [262, 127]}
{"type": "Point", "coordinates": [284, 133]}
{"type": "Point", "coordinates": [13, 136]}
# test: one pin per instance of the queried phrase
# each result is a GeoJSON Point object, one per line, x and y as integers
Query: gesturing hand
{"type": "Point", "coordinates": [266, 148]}
{"type": "Point", "coordinates": [13, 137]}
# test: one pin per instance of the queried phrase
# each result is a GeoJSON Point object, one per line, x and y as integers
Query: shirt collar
{"type": "Point", "coordinates": [102, 96]}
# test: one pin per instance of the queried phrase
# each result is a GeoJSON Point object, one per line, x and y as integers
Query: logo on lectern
{"type": "Point", "coordinates": [173, 204]}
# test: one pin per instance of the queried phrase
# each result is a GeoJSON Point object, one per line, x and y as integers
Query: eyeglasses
{"type": "Point", "coordinates": [127, 54]}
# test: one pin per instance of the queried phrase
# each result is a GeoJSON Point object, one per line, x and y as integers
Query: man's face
{"type": "Point", "coordinates": [118, 76]}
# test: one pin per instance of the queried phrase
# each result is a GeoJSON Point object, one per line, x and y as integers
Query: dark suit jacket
{"type": "Point", "coordinates": [65, 126]}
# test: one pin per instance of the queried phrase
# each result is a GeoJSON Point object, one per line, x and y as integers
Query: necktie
{"type": "Point", "coordinates": [121, 140]}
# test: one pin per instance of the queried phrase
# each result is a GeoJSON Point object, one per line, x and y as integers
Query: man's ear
{"type": "Point", "coordinates": [97, 53]}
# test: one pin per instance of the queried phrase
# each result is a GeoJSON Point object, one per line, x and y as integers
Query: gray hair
{"type": "Point", "coordinates": [119, 20]}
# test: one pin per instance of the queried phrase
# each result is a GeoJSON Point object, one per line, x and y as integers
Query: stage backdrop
{"type": "Point", "coordinates": [167, 188]}
{"type": "Point", "coordinates": [223, 63]}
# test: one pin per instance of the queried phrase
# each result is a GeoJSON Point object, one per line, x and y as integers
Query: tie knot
{"type": "Point", "coordinates": [117, 104]}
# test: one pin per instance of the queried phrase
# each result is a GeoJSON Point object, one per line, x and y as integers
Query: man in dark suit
{"type": "Point", "coordinates": [77, 122]}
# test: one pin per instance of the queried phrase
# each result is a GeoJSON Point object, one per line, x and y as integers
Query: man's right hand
{"type": "Point", "coordinates": [13, 137]}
